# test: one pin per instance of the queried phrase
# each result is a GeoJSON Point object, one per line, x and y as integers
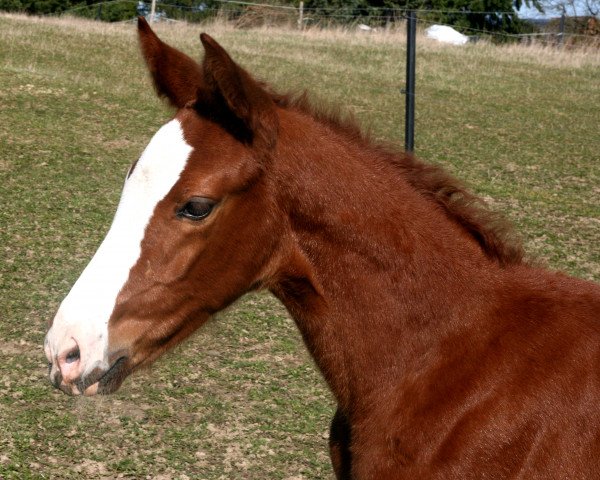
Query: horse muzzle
{"type": "Point", "coordinates": [99, 381]}
{"type": "Point", "coordinates": [77, 374]}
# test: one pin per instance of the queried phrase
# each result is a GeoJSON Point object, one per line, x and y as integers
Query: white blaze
{"type": "Point", "coordinates": [84, 313]}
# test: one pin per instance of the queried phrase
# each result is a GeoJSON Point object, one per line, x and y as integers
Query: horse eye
{"type": "Point", "coordinates": [197, 208]}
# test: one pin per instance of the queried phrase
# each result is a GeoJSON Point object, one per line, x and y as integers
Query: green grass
{"type": "Point", "coordinates": [242, 399]}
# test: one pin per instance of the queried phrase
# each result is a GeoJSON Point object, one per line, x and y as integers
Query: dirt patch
{"type": "Point", "coordinates": [21, 347]}
{"type": "Point", "coordinates": [91, 468]}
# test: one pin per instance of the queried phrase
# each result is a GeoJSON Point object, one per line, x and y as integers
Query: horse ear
{"type": "Point", "coordinates": [244, 96]}
{"type": "Point", "coordinates": [175, 75]}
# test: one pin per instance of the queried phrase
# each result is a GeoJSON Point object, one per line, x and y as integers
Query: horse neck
{"type": "Point", "coordinates": [370, 262]}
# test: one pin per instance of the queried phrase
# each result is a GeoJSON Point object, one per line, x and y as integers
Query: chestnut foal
{"type": "Point", "coordinates": [448, 355]}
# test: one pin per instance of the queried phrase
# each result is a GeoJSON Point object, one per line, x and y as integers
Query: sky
{"type": "Point", "coordinates": [525, 12]}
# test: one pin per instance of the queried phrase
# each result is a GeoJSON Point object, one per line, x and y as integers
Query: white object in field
{"type": "Point", "coordinates": [443, 33]}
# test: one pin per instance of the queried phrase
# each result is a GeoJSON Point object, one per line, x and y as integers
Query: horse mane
{"type": "Point", "coordinates": [492, 231]}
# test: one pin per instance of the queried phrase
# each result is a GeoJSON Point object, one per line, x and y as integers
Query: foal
{"type": "Point", "coordinates": [448, 355]}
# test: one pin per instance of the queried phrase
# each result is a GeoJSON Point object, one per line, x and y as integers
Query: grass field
{"type": "Point", "coordinates": [242, 399]}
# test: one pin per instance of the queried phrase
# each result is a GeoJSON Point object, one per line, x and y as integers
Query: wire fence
{"type": "Point", "coordinates": [494, 25]}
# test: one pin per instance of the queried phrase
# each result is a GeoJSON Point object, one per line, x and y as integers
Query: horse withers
{"type": "Point", "coordinates": [449, 356]}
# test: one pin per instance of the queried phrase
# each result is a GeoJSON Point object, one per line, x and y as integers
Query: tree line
{"type": "Point", "coordinates": [494, 16]}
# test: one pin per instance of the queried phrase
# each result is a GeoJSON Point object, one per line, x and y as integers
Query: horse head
{"type": "Point", "coordinates": [194, 230]}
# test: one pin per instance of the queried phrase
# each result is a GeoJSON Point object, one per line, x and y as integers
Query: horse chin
{"type": "Point", "coordinates": [112, 379]}
{"type": "Point", "coordinates": [107, 383]}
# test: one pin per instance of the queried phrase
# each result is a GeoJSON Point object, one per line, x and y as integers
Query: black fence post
{"type": "Point", "coordinates": [409, 122]}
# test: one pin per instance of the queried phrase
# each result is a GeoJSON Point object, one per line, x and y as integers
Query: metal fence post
{"type": "Point", "coordinates": [411, 40]}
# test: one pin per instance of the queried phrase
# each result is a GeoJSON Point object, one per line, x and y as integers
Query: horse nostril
{"type": "Point", "coordinates": [72, 356]}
